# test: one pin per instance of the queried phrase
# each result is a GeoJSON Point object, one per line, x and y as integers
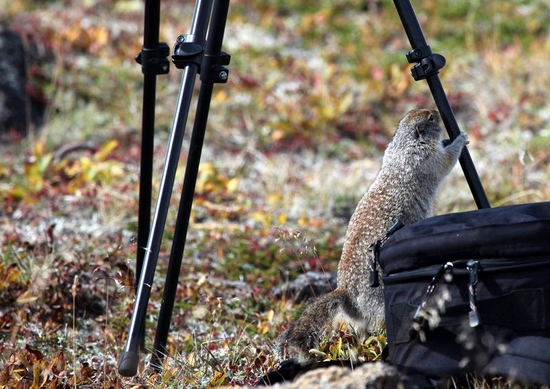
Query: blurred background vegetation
{"type": "Point", "coordinates": [315, 91]}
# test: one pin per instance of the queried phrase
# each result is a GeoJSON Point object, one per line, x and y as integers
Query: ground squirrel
{"type": "Point", "coordinates": [414, 164]}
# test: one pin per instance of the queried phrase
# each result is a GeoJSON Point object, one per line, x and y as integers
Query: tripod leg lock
{"type": "Point", "coordinates": [427, 66]}
{"type": "Point", "coordinates": [427, 63]}
{"type": "Point", "coordinates": [186, 52]}
{"type": "Point", "coordinates": [418, 54]}
{"type": "Point", "coordinates": [213, 68]}
{"type": "Point", "coordinates": [154, 61]}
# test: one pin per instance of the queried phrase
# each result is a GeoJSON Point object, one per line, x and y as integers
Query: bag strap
{"type": "Point", "coordinates": [374, 249]}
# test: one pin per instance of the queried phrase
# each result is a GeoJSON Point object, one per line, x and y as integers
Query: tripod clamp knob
{"type": "Point", "coordinates": [213, 68]}
{"type": "Point", "coordinates": [427, 63]}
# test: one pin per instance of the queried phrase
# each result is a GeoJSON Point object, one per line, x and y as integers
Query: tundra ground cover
{"type": "Point", "coordinates": [294, 138]}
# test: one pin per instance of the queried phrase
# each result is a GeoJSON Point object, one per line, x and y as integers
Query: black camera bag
{"type": "Point", "coordinates": [469, 293]}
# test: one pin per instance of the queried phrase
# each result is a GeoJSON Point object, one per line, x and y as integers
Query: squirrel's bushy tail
{"type": "Point", "coordinates": [304, 333]}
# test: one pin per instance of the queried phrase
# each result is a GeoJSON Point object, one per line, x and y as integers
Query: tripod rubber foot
{"type": "Point", "coordinates": [128, 364]}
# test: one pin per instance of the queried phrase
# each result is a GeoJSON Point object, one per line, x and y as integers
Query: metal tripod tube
{"type": "Point", "coordinates": [180, 233]}
{"type": "Point", "coordinates": [418, 41]}
{"type": "Point", "coordinates": [213, 48]}
{"type": "Point", "coordinates": [150, 42]}
{"type": "Point", "coordinates": [130, 356]}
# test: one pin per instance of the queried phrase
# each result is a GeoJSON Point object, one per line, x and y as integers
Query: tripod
{"type": "Point", "coordinates": [427, 68]}
{"type": "Point", "coordinates": [195, 55]}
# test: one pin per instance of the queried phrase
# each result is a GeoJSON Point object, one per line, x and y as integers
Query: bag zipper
{"type": "Point", "coordinates": [488, 265]}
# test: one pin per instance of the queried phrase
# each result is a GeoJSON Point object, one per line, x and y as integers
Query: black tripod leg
{"type": "Point", "coordinates": [145, 177]}
{"type": "Point", "coordinates": [130, 357]}
{"type": "Point", "coordinates": [208, 77]}
{"type": "Point", "coordinates": [153, 62]}
{"type": "Point", "coordinates": [427, 69]}
{"type": "Point", "coordinates": [180, 234]}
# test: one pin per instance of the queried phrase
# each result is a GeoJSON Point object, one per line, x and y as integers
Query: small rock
{"type": "Point", "coordinates": [369, 375]}
{"type": "Point", "coordinates": [307, 285]}
{"type": "Point", "coordinates": [13, 98]}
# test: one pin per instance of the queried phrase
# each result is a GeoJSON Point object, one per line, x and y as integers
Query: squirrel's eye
{"type": "Point", "coordinates": [431, 118]}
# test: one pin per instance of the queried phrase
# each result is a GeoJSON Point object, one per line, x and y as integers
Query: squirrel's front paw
{"type": "Point", "coordinates": [463, 138]}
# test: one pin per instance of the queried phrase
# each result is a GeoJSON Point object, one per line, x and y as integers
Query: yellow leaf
{"type": "Point", "coordinates": [191, 359]}
{"type": "Point", "coordinates": [328, 112]}
{"type": "Point", "coordinates": [100, 36]}
{"type": "Point", "coordinates": [105, 150]}
{"type": "Point", "coordinates": [336, 348]}
{"type": "Point", "coordinates": [274, 198]}
{"type": "Point", "coordinates": [4, 170]}
{"type": "Point", "coordinates": [233, 184]}
{"type": "Point", "coordinates": [207, 169]}
{"type": "Point", "coordinates": [201, 280]}
{"type": "Point", "coordinates": [26, 297]}
{"type": "Point", "coordinates": [13, 273]}
{"type": "Point", "coordinates": [218, 379]}
{"type": "Point", "coordinates": [345, 103]}
{"type": "Point", "coordinates": [281, 219]}
{"type": "Point", "coordinates": [38, 150]}
{"type": "Point", "coordinates": [220, 97]}
{"type": "Point", "coordinates": [262, 217]}
{"type": "Point", "coordinates": [263, 327]}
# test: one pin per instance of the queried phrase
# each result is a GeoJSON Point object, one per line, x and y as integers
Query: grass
{"type": "Point", "coordinates": [294, 139]}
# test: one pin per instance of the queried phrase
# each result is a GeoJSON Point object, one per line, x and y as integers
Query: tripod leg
{"type": "Point", "coordinates": [213, 48]}
{"type": "Point", "coordinates": [178, 246]}
{"type": "Point", "coordinates": [419, 44]}
{"type": "Point", "coordinates": [129, 358]}
{"type": "Point", "coordinates": [150, 43]}
{"type": "Point", "coordinates": [449, 120]}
